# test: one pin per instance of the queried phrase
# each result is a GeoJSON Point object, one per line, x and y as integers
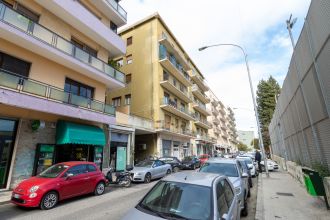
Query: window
{"type": "Point", "coordinates": [128, 99]}
{"type": "Point", "coordinates": [91, 168]}
{"type": "Point", "coordinates": [176, 123]}
{"type": "Point", "coordinates": [79, 89]}
{"type": "Point", "coordinates": [129, 59]}
{"type": "Point", "coordinates": [84, 47]}
{"type": "Point", "coordinates": [166, 76]}
{"type": "Point", "coordinates": [14, 65]}
{"type": "Point", "coordinates": [116, 101]}
{"type": "Point", "coordinates": [79, 169]}
{"type": "Point", "coordinates": [113, 26]}
{"type": "Point", "coordinates": [120, 62]}
{"type": "Point", "coordinates": [221, 199]}
{"type": "Point", "coordinates": [129, 41]}
{"type": "Point", "coordinates": [128, 78]}
{"type": "Point", "coordinates": [27, 13]}
{"type": "Point", "coordinates": [229, 194]}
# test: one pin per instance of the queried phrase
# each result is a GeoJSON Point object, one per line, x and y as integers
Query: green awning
{"type": "Point", "coordinates": [72, 133]}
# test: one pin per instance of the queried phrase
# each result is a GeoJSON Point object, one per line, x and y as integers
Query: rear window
{"type": "Point", "coordinates": [91, 168]}
{"type": "Point", "coordinates": [226, 169]}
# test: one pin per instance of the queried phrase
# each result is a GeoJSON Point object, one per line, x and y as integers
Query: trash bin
{"type": "Point", "coordinates": [313, 182]}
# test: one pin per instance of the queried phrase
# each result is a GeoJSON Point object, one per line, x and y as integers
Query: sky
{"type": "Point", "coordinates": [256, 25]}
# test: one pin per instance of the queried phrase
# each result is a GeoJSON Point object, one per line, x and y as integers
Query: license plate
{"type": "Point", "coordinates": [17, 196]}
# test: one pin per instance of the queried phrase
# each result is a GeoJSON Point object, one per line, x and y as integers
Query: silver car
{"type": "Point", "coordinates": [189, 195]}
{"type": "Point", "coordinates": [234, 171]}
{"type": "Point", "coordinates": [147, 170]}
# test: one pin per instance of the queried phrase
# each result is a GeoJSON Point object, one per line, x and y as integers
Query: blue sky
{"type": "Point", "coordinates": [257, 25]}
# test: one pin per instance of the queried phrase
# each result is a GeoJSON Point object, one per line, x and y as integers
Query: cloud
{"type": "Point", "coordinates": [257, 25]}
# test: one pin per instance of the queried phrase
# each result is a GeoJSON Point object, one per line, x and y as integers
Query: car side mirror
{"type": "Point", "coordinates": [224, 217]}
{"type": "Point", "coordinates": [68, 176]}
{"type": "Point", "coordinates": [245, 175]}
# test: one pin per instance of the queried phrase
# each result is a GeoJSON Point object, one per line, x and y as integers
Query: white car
{"type": "Point", "coordinates": [270, 165]}
{"type": "Point", "coordinates": [251, 166]}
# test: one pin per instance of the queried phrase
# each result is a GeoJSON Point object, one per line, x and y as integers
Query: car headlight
{"type": "Point", "coordinates": [34, 189]}
{"type": "Point", "coordinates": [238, 190]}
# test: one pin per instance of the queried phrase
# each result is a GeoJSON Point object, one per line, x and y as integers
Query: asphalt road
{"type": "Point", "coordinates": [113, 205]}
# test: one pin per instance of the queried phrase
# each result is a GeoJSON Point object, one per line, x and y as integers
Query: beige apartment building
{"type": "Point", "coordinates": [165, 87]}
{"type": "Point", "coordinates": [223, 125]}
{"type": "Point", "coordinates": [54, 75]}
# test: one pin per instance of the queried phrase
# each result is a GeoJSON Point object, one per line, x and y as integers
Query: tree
{"type": "Point", "coordinates": [255, 143]}
{"type": "Point", "coordinates": [267, 93]}
{"type": "Point", "coordinates": [242, 147]}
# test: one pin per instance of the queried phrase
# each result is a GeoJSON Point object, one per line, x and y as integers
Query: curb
{"type": "Point", "coordinates": [4, 202]}
{"type": "Point", "coordinates": [260, 205]}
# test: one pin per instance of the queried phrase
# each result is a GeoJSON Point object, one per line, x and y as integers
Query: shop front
{"type": "Point", "coordinates": [175, 147]}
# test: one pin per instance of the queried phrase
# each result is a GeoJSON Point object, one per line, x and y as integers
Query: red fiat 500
{"type": "Point", "coordinates": [58, 182]}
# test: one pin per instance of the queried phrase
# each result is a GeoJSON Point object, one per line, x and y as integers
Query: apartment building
{"type": "Point", "coordinates": [164, 86]}
{"type": "Point", "coordinates": [223, 129]}
{"type": "Point", "coordinates": [54, 75]}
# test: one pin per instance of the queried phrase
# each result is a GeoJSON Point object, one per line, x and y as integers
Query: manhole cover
{"type": "Point", "coordinates": [284, 194]}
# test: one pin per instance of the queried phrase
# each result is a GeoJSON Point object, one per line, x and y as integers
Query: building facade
{"type": "Point", "coordinates": [246, 137]}
{"type": "Point", "coordinates": [54, 74]}
{"type": "Point", "coordinates": [300, 127]}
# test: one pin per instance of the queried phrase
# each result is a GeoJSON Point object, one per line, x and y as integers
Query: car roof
{"type": "Point", "coordinates": [221, 160]}
{"type": "Point", "coordinates": [73, 163]}
{"type": "Point", "coordinates": [191, 177]}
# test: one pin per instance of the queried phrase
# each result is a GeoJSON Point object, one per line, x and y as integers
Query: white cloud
{"type": "Point", "coordinates": [258, 25]}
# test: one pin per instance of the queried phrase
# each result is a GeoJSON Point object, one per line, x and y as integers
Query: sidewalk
{"type": "Point", "coordinates": [5, 197]}
{"type": "Point", "coordinates": [294, 203]}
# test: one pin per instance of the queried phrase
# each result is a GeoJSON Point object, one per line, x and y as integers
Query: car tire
{"type": "Point", "coordinates": [99, 189]}
{"type": "Point", "coordinates": [147, 178]}
{"type": "Point", "coordinates": [168, 172]}
{"type": "Point", "coordinates": [244, 211]}
{"type": "Point", "coordinates": [49, 200]}
{"type": "Point", "coordinates": [176, 169]}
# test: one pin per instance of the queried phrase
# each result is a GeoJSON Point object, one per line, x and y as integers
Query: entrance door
{"type": "Point", "coordinates": [121, 158]}
{"type": "Point", "coordinates": [7, 137]}
{"type": "Point", "coordinates": [176, 152]}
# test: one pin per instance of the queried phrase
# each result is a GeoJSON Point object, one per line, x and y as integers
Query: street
{"type": "Point", "coordinates": [114, 204]}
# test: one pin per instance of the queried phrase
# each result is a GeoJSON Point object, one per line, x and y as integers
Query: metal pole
{"type": "Point", "coordinates": [253, 99]}
{"type": "Point", "coordinates": [289, 25]}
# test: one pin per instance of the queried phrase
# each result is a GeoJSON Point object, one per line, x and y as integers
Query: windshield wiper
{"type": "Point", "coordinates": [174, 216]}
{"type": "Point", "coordinates": [159, 214]}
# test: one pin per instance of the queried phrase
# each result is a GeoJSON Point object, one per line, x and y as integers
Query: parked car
{"type": "Point", "coordinates": [190, 162]}
{"type": "Point", "coordinates": [203, 158]}
{"type": "Point", "coordinates": [147, 170]}
{"type": "Point", "coordinates": [251, 165]}
{"type": "Point", "coordinates": [58, 182]}
{"type": "Point", "coordinates": [270, 165]}
{"type": "Point", "coordinates": [187, 195]}
{"type": "Point", "coordinates": [246, 169]}
{"type": "Point", "coordinates": [234, 171]}
{"type": "Point", "coordinates": [173, 161]}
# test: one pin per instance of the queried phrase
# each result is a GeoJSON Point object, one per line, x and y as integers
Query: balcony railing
{"type": "Point", "coordinates": [176, 84]}
{"type": "Point", "coordinates": [202, 105]}
{"type": "Point", "coordinates": [13, 18]}
{"type": "Point", "coordinates": [39, 89]}
{"type": "Point", "coordinates": [168, 101]}
{"type": "Point", "coordinates": [204, 121]}
{"type": "Point", "coordinates": [118, 8]}
{"type": "Point", "coordinates": [167, 126]}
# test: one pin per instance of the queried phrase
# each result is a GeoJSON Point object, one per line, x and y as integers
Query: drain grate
{"type": "Point", "coordinates": [284, 194]}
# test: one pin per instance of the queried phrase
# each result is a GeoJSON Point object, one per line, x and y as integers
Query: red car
{"type": "Point", "coordinates": [58, 182]}
{"type": "Point", "coordinates": [203, 158]}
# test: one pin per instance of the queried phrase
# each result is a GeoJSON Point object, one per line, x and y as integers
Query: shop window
{"type": "Point", "coordinates": [129, 41]}
{"type": "Point", "coordinates": [14, 65]}
{"type": "Point", "coordinates": [84, 47]}
{"type": "Point", "coordinates": [128, 99]}
{"type": "Point", "coordinates": [113, 27]}
{"type": "Point", "coordinates": [78, 88]}
{"type": "Point", "coordinates": [116, 101]}
{"type": "Point", "coordinates": [129, 59]}
{"type": "Point", "coordinates": [128, 78]}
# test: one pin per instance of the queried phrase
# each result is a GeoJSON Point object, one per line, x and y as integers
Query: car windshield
{"type": "Point", "coordinates": [186, 159]}
{"type": "Point", "coordinates": [53, 171]}
{"type": "Point", "coordinates": [167, 159]}
{"type": "Point", "coordinates": [227, 169]}
{"type": "Point", "coordinates": [178, 200]}
{"type": "Point", "coordinates": [145, 163]}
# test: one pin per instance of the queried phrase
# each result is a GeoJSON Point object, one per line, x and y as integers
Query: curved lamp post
{"type": "Point", "coordinates": [253, 97]}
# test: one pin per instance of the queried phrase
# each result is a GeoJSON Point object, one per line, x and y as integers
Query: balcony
{"type": "Point", "coordinates": [31, 94]}
{"type": "Point", "coordinates": [18, 29]}
{"type": "Point", "coordinates": [200, 108]}
{"type": "Point", "coordinates": [215, 111]}
{"type": "Point", "coordinates": [204, 138]}
{"type": "Point", "coordinates": [203, 123]}
{"type": "Point", "coordinates": [215, 121]}
{"type": "Point", "coordinates": [75, 14]}
{"type": "Point", "coordinates": [216, 130]}
{"type": "Point", "coordinates": [201, 96]}
{"type": "Point", "coordinates": [164, 40]}
{"type": "Point", "coordinates": [171, 106]}
{"type": "Point", "coordinates": [112, 10]}
{"type": "Point", "coordinates": [170, 64]}
{"type": "Point", "coordinates": [176, 89]}
{"type": "Point", "coordinates": [199, 81]}
{"type": "Point", "coordinates": [163, 127]}
{"type": "Point", "coordinates": [223, 119]}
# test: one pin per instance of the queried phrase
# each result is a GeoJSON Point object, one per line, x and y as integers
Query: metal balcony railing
{"type": "Point", "coordinates": [176, 84]}
{"type": "Point", "coordinates": [118, 8]}
{"type": "Point", "coordinates": [168, 101]}
{"type": "Point", "coordinates": [35, 88]}
{"type": "Point", "coordinates": [167, 126]}
{"type": "Point", "coordinates": [19, 21]}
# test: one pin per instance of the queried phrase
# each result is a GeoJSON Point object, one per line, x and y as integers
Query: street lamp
{"type": "Point", "coordinates": [253, 98]}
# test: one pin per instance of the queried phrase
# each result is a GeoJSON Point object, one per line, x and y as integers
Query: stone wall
{"type": "Point", "coordinates": [27, 141]}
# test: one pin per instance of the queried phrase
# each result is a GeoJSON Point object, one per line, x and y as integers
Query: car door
{"type": "Point", "coordinates": [93, 175]}
{"type": "Point", "coordinates": [159, 168]}
{"type": "Point", "coordinates": [221, 207]}
{"type": "Point", "coordinates": [243, 180]}
{"type": "Point", "coordinates": [163, 168]}
{"type": "Point", "coordinates": [154, 170]}
{"type": "Point", "coordinates": [231, 200]}
{"type": "Point", "coordinates": [76, 184]}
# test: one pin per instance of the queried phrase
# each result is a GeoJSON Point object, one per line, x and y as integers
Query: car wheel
{"type": "Point", "coordinates": [99, 189]}
{"type": "Point", "coordinates": [168, 172]}
{"type": "Point", "coordinates": [176, 169]}
{"type": "Point", "coordinates": [147, 178]}
{"type": "Point", "coordinates": [244, 212]}
{"type": "Point", "coordinates": [49, 200]}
